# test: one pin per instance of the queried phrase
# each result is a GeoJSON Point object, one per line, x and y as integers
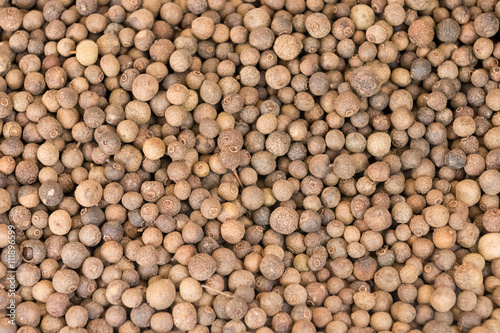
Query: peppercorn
{"type": "Point", "coordinates": [125, 143]}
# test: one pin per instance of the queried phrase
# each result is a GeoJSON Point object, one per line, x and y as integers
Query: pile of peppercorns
{"type": "Point", "coordinates": [214, 166]}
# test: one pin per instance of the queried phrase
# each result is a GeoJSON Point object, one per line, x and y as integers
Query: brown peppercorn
{"type": "Point", "coordinates": [364, 81]}
{"type": "Point", "coordinates": [378, 218]}
{"type": "Point", "coordinates": [346, 104]}
{"type": "Point", "coordinates": [88, 193]}
{"type": "Point", "coordinates": [284, 220]}
{"type": "Point", "coordinates": [287, 47]}
{"type": "Point", "coordinates": [232, 231]}
{"type": "Point", "coordinates": [421, 33]}
{"type": "Point", "coordinates": [271, 267]}
{"type": "Point", "coordinates": [202, 266]}
{"type": "Point", "coordinates": [65, 281]}
{"type": "Point", "coordinates": [486, 25]}
{"type": "Point", "coordinates": [144, 87]}
{"type": "Point", "coordinates": [160, 294]}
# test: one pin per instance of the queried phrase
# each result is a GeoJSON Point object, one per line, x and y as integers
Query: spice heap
{"type": "Point", "coordinates": [263, 166]}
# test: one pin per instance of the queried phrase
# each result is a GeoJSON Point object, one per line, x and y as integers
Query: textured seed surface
{"type": "Point", "coordinates": [249, 166]}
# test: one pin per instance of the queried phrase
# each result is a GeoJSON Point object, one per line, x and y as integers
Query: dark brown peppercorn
{"type": "Point", "coordinates": [364, 81]}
